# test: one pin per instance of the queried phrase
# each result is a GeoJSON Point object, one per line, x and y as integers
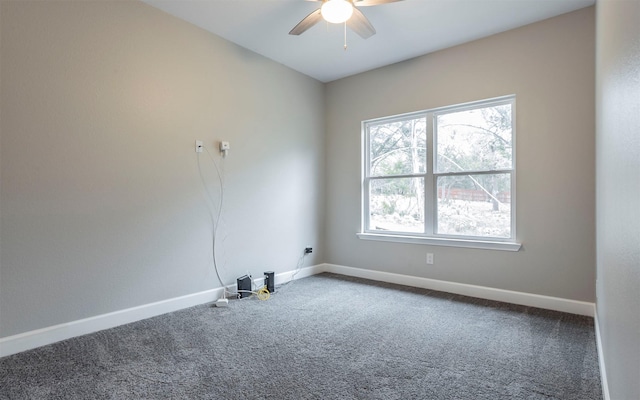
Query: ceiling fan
{"type": "Point", "coordinates": [339, 11]}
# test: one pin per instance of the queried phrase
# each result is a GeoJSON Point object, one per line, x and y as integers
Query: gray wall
{"type": "Point", "coordinates": [550, 67]}
{"type": "Point", "coordinates": [102, 204]}
{"type": "Point", "coordinates": [618, 194]}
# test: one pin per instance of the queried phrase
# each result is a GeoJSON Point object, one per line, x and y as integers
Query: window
{"type": "Point", "coordinates": [444, 176]}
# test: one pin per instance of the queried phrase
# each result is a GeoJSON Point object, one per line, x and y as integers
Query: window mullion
{"type": "Point", "coordinates": [365, 204]}
{"type": "Point", "coordinates": [429, 181]}
{"type": "Point", "coordinates": [365, 198]}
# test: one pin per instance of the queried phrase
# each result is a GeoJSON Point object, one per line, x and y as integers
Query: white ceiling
{"type": "Point", "coordinates": [405, 29]}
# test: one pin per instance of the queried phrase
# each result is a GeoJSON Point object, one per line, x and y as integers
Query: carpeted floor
{"type": "Point", "coordinates": [323, 337]}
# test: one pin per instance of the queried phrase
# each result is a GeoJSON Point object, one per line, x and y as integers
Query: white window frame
{"type": "Point", "coordinates": [430, 237]}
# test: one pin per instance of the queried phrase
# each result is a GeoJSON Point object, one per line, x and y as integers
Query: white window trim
{"type": "Point", "coordinates": [442, 241]}
{"type": "Point", "coordinates": [429, 238]}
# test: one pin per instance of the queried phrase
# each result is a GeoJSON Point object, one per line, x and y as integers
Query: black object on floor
{"type": "Point", "coordinates": [244, 286]}
{"type": "Point", "coordinates": [270, 281]}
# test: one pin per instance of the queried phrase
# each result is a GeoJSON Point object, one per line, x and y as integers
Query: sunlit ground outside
{"type": "Point", "coordinates": [397, 213]}
{"type": "Point", "coordinates": [473, 218]}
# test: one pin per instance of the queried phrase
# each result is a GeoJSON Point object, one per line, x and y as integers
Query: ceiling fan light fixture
{"type": "Point", "coordinates": [336, 11]}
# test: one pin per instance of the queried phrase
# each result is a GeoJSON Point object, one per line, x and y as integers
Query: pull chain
{"type": "Point", "coordinates": [345, 36]}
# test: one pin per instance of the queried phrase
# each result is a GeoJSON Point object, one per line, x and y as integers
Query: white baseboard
{"type": "Point", "coordinates": [603, 370]}
{"type": "Point", "coordinates": [285, 277]}
{"type": "Point", "coordinates": [507, 296]}
{"type": "Point", "coordinates": [40, 337]}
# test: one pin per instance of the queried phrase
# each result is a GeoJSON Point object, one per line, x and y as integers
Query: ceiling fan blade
{"type": "Point", "coordinates": [360, 24]}
{"type": "Point", "coordinates": [308, 21]}
{"type": "Point", "coordinates": [366, 3]}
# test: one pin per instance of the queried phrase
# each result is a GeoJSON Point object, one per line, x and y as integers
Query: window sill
{"type": "Point", "coordinates": [466, 243]}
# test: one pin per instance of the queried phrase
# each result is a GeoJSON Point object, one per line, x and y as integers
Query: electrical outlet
{"type": "Point", "coordinates": [308, 250]}
{"type": "Point", "coordinates": [199, 146]}
{"type": "Point", "coordinates": [430, 258]}
{"type": "Point", "coordinates": [224, 148]}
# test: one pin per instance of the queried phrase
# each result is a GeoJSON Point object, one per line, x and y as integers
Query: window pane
{"type": "Point", "coordinates": [398, 148]}
{"type": "Point", "coordinates": [475, 205]}
{"type": "Point", "coordinates": [474, 140]}
{"type": "Point", "coordinates": [397, 205]}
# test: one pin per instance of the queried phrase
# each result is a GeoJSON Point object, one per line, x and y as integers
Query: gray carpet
{"type": "Point", "coordinates": [323, 337]}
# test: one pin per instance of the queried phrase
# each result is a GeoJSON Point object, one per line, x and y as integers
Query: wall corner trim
{"type": "Point", "coordinates": [603, 370]}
